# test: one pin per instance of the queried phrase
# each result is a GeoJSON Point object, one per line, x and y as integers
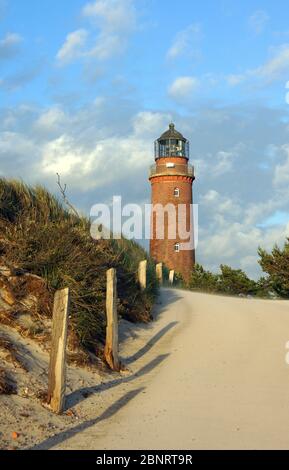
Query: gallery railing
{"type": "Point", "coordinates": [183, 170]}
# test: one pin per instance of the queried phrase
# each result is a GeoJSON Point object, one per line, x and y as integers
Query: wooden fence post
{"type": "Point", "coordinates": [57, 365]}
{"type": "Point", "coordinates": [159, 272]}
{"type": "Point", "coordinates": [111, 345]}
{"type": "Point", "coordinates": [172, 277]}
{"type": "Point", "coordinates": [142, 274]}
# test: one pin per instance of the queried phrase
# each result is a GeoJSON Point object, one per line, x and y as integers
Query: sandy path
{"type": "Point", "coordinates": [213, 376]}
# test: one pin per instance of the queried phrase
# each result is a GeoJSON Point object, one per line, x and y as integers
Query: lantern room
{"type": "Point", "coordinates": [172, 144]}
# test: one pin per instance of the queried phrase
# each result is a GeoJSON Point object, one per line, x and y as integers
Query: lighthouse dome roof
{"type": "Point", "coordinates": [172, 133]}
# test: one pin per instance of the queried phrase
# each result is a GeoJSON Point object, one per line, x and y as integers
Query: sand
{"type": "Point", "coordinates": [214, 377]}
{"type": "Point", "coordinates": [208, 373]}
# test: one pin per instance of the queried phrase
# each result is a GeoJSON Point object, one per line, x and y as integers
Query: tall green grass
{"type": "Point", "coordinates": [39, 235]}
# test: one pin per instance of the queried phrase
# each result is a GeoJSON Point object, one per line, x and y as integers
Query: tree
{"type": "Point", "coordinates": [229, 281]}
{"type": "Point", "coordinates": [203, 280]}
{"type": "Point", "coordinates": [263, 287]}
{"type": "Point", "coordinates": [276, 265]}
{"type": "Point", "coordinates": [235, 281]}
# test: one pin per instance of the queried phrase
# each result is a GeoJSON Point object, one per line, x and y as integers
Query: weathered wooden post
{"type": "Point", "coordinates": [172, 277]}
{"type": "Point", "coordinates": [142, 274]}
{"type": "Point", "coordinates": [111, 345]}
{"type": "Point", "coordinates": [159, 272]}
{"type": "Point", "coordinates": [57, 365]}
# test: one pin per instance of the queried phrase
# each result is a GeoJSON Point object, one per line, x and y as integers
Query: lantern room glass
{"type": "Point", "coordinates": [171, 148]}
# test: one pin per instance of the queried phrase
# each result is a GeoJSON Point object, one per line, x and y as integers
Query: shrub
{"type": "Point", "coordinates": [235, 281]}
{"type": "Point", "coordinates": [38, 235]}
{"type": "Point", "coordinates": [276, 265]}
{"type": "Point", "coordinates": [203, 280]}
{"type": "Point", "coordinates": [230, 281]}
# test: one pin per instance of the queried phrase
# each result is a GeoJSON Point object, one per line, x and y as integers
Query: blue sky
{"type": "Point", "coordinates": [86, 87]}
{"type": "Point", "coordinates": [226, 38]}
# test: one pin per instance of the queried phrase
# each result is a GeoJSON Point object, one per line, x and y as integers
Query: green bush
{"type": "Point", "coordinates": [229, 281]}
{"type": "Point", "coordinates": [203, 280]}
{"type": "Point", "coordinates": [276, 265]}
{"type": "Point", "coordinates": [235, 281]}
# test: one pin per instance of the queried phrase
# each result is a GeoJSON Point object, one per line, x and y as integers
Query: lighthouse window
{"type": "Point", "coordinates": [177, 247]}
{"type": "Point", "coordinates": [177, 192]}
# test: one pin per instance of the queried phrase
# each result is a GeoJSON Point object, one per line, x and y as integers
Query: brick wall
{"type": "Point", "coordinates": [163, 193]}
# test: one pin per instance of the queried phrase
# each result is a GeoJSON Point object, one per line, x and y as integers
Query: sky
{"type": "Point", "coordinates": [87, 86]}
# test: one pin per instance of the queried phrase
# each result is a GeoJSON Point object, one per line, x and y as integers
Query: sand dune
{"type": "Point", "coordinates": [210, 373]}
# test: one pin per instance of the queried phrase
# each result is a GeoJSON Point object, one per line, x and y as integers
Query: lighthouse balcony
{"type": "Point", "coordinates": [174, 169]}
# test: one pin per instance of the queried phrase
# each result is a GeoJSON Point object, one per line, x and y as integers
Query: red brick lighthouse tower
{"type": "Point", "coordinates": [172, 180]}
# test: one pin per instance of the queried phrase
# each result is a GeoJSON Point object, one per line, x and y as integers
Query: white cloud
{"type": "Point", "coordinates": [91, 166]}
{"type": "Point", "coordinates": [224, 163]}
{"type": "Point", "coordinates": [258, 21]}
{"type": "Point", "coordinates": [62, 156]}
{"type": "Point", "coordinates": [149, 125]}
{"type": "Point", "coordinates": [183, 87]}
{"type": "Point", "coordinates": [276, 68]}
{"type": "Point", "coordinates": [112, 16]}
{"type": "Point", "coordinates": [231, 235]}
{"type": "Point", "coordinates": [248, 263]}
{"type": "Point", "coordinates": [22, 77]}
{"type": "Point", "coordinates": [281, 174]}
{"type": "Point", "coordinates": [73, 47]}
{"type": "Point", "coordinates": [61, 144]}
{"type": "Point", "coordinates": [210, 197]}
{"type": "Point", "coordinates": [9, 45]}
{"type": "Point", "coordinates": [235, 79]}
{"type": "Point", "coordinates": [114, 20]}
{"type": "Point", "coordinates": [14, 142]}
{"type": "Point", "coordinates": [220, 204]}
{"type": "Point", "coordinates": [16, 150]}
{"type": "Point", "coordinates": [185, 42]}
{"type": "Point", "coordinates": [212, 166]}
{"type": "Point", "coordinates": [106, 148]}
{"type": "Point", "coordinates": [51, 119]}
{"type": "Point", "coordinates": [255, 212]}
{"type": "Point", "coordinates": [236, 240]}
{"type": "Point", "coordinates": [107, 45]}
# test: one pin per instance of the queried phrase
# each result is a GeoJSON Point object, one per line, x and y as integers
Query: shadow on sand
{"type": "Point", "coordinates": [150, 343]}
{"type": "Point", "coordinates": [130, 330]}
{"type": "Point", "coordinates": [167, 297]}
{"type": "Point", "coordinates": [108, 413]}
{"type": "Point", "coordinates": [79, 395]}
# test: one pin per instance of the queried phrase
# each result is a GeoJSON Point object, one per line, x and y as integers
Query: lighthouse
{"type": "Point", "coordinates": [171, 179]}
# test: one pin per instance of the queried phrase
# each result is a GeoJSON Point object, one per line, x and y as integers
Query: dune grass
{"type": "Point", "coordinates": [39, 235]}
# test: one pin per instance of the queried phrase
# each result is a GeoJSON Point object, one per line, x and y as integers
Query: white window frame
{"type": "Point", "coordinates": [177, 248]}
{"type": "Point", "coordinates": [177, 192]}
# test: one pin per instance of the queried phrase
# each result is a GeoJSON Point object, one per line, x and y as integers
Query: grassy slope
{"type": "Point", "coordinates": [40, 236]}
